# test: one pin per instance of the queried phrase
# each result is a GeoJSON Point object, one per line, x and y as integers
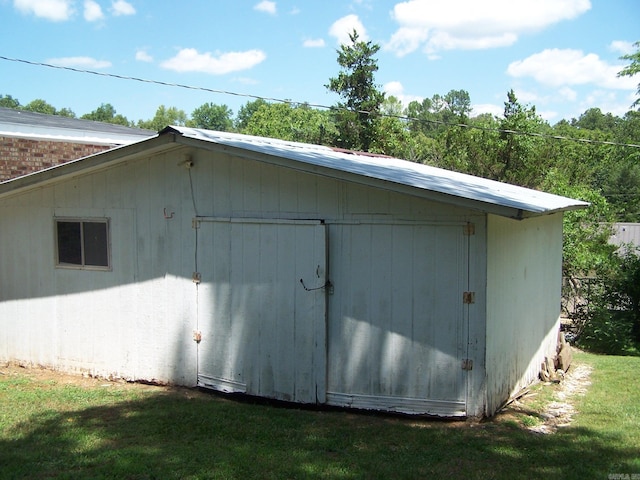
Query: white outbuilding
{"type": "Point", "coordinates": [283, 270]}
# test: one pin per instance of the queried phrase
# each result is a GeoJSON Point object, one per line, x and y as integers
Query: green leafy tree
{"type": "Point", "coordinates": [424, 149]}
{"type": "Point", "coordinates": [435, 116]}
{"type": "Point", "coordinates": [614, 170]}
{"type": "Point", "coordinates": [298, 123]}
{"type": "Point", "coordinates": [632, 69]}
{"type": "Point", "coordinates": [622, 189]}
{"type": "Point", "coordinates": [245, 113]}
{"type": "Point", "coordinates": [624, 288]}
{"type": "Point", "coordinates": [586, 247]}
{"type": "Point", "coordinates": [393, 137]}
{"type": "Point", "coordinates": [392, 106]}
{"type": "Point", "coordinates": [518, 145]}
{"type": "Point", "coordinates": [37, 106]}
{"type": "Point", "coordinates": [457, 106]}
{"type": "Point", "coordinates": [7, 101]}
{"type": "Point", "coordinates": [163, 118]}
{"type": "Point", "coordinates": [423, 118]}
{"type": "Point", "coordinates": [579, 160]}
{"type": "Point", "coordinates": [621, 175]}
{"type": "Point", "coordinates": [107, 113]}
{"type": "Point", "coordinates": [212, 117]}
{"type": "Point", "coordinates": [66, 112]}
{"type": "Point", "coordinates": [628, 130]}
{"type": "Point", "coordinates": [610, 323]}
{"type": "Point", "coordinates": [357, 115]}
{"type": "Point", "coordinates": [472, 149]}
{"type": "Point", "coordinates": [594, 119]}
{"type": "Point", "coordinates": [40, 106]}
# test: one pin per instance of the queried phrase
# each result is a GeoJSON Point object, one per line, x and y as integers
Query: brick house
{"type": "Point", "coordinates": [30, 142]}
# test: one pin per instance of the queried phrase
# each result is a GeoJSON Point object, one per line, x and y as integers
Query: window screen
{"type": "Point", "coordinates": [83, 243]}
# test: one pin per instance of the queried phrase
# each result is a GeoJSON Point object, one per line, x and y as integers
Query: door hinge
{"type": "Point", "coordinates": [467, 364]}
{"type": "Point", "coordinates": [470, 229]}
{"type": "Point", "coordinates": [196, 277]}
{"type": "Point", "coordinates": [197, 336]}
{"type": "Point", "coordinates": [195, 223]}
{"type": "Point", "coordinates": [468, 297]}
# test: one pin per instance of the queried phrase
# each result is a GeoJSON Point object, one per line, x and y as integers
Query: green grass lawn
{"type": "Point", "coordinates": [52, 428]}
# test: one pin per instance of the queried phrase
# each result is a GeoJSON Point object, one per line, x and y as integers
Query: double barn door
{"type": "Point", "coordinates": [394, 335]}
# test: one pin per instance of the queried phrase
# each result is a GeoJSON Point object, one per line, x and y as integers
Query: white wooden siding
{"type": "Point", "coordinates": [132, 322]}
{"type": "Point", "coordinates": [524, 275]}
{"type": "Point", "coordinates": [397, 323]}
{"type": "Point", "coordinates": [263, 333]}
{"type": "Point", "coordinates": [398, 265]}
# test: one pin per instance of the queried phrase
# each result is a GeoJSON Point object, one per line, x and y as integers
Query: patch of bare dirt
{"type": "Point", "coordinates": [559, 412]}
{"type": "Point", "coordinates": [46, 376]}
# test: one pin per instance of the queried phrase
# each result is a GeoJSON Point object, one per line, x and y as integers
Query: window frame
{"type": "Point", "coordinates": [81, 220]}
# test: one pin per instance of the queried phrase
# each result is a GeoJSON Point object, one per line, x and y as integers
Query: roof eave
{"type": "Point", "coordinates": [479, 205]}
{"type": "Point", "coordinates": [169, 136]}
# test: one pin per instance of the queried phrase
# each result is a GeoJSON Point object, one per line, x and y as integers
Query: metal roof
{"type": "Point", "coordinates": [520, 201]}
{"type": "Point", "coordinates": [379, 171]}
{"type": "Point", "coordinates": [39, 126]}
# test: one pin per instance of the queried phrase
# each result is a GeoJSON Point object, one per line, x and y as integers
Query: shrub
{"type": "Point", "coordinates": [606, 332]}
{"type": "Point", "coordinates": [610, 321]}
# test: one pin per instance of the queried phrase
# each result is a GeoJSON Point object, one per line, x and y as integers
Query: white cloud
{"type": "Point", "coordinates": [343, 27]}
{"type": "Point", "coordinates": [441, 40]}
{"type": "Point", "coordinates": [568, 94]}
{"type": "Point", "coordinates": [406, 40]}
{"type": "Point", "coordinates": [623, 47]}
{"type": "Point", "coordinates": [81, 62]}
{"type": "Point", "coordinates": [607, 101]}
{"type": "Point", "coordinates": [143, 56]}
{"type": "Point", "coordinates": [54, 10]}
{"type": "Point", "coordinates": [479, 109]}
{"type": "Point", "coordinates": [121, 7]}
{"type": "Point", "coordinates": [189, 60]}
{"type": "Point", "coordinates": [556, 68]}
{"type": "Point", "coordinates": [547, 115]}
{"type": "Point", "coordinates": [527, 97]}
{"type": "Point", "coordinates": [266, 7]}
{"type": "Point", "coordinates": [473, 24]}
{"type": "Point", "coordinates": [313, 43]}
{"type": "Point", "coordinates": [396, 89]}
{"type": "Point", "coordinates": [61, 10]}
{"type": "Point", "coordinates": [92, 11]}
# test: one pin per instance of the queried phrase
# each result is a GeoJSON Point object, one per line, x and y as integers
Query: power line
{"type": "Point", "coordinates": [291, 102]}
{"type": "Point", "coordinates": [143, 80]}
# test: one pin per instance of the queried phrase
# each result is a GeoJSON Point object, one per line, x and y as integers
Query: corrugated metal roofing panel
{"type": "Point", "coordinates": [396, 171]}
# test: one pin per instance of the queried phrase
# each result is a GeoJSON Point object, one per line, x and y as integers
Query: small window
{"type": "Point", "coordinates": [83, 243]}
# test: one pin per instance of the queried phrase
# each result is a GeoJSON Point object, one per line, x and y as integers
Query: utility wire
{"type": "Point", "coordinates": [156, 82]}
{"type": "Point", "coordinates": [291, 102]}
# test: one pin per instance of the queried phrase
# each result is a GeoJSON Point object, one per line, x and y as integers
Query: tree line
{"type": "Point", "coordinates": [518, 147]}
{"type": "Point", "coordinates": [593, 157]}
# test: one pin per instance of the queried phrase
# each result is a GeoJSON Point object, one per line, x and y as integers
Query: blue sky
{"type": "Point", "coordinates": [560, 55]}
